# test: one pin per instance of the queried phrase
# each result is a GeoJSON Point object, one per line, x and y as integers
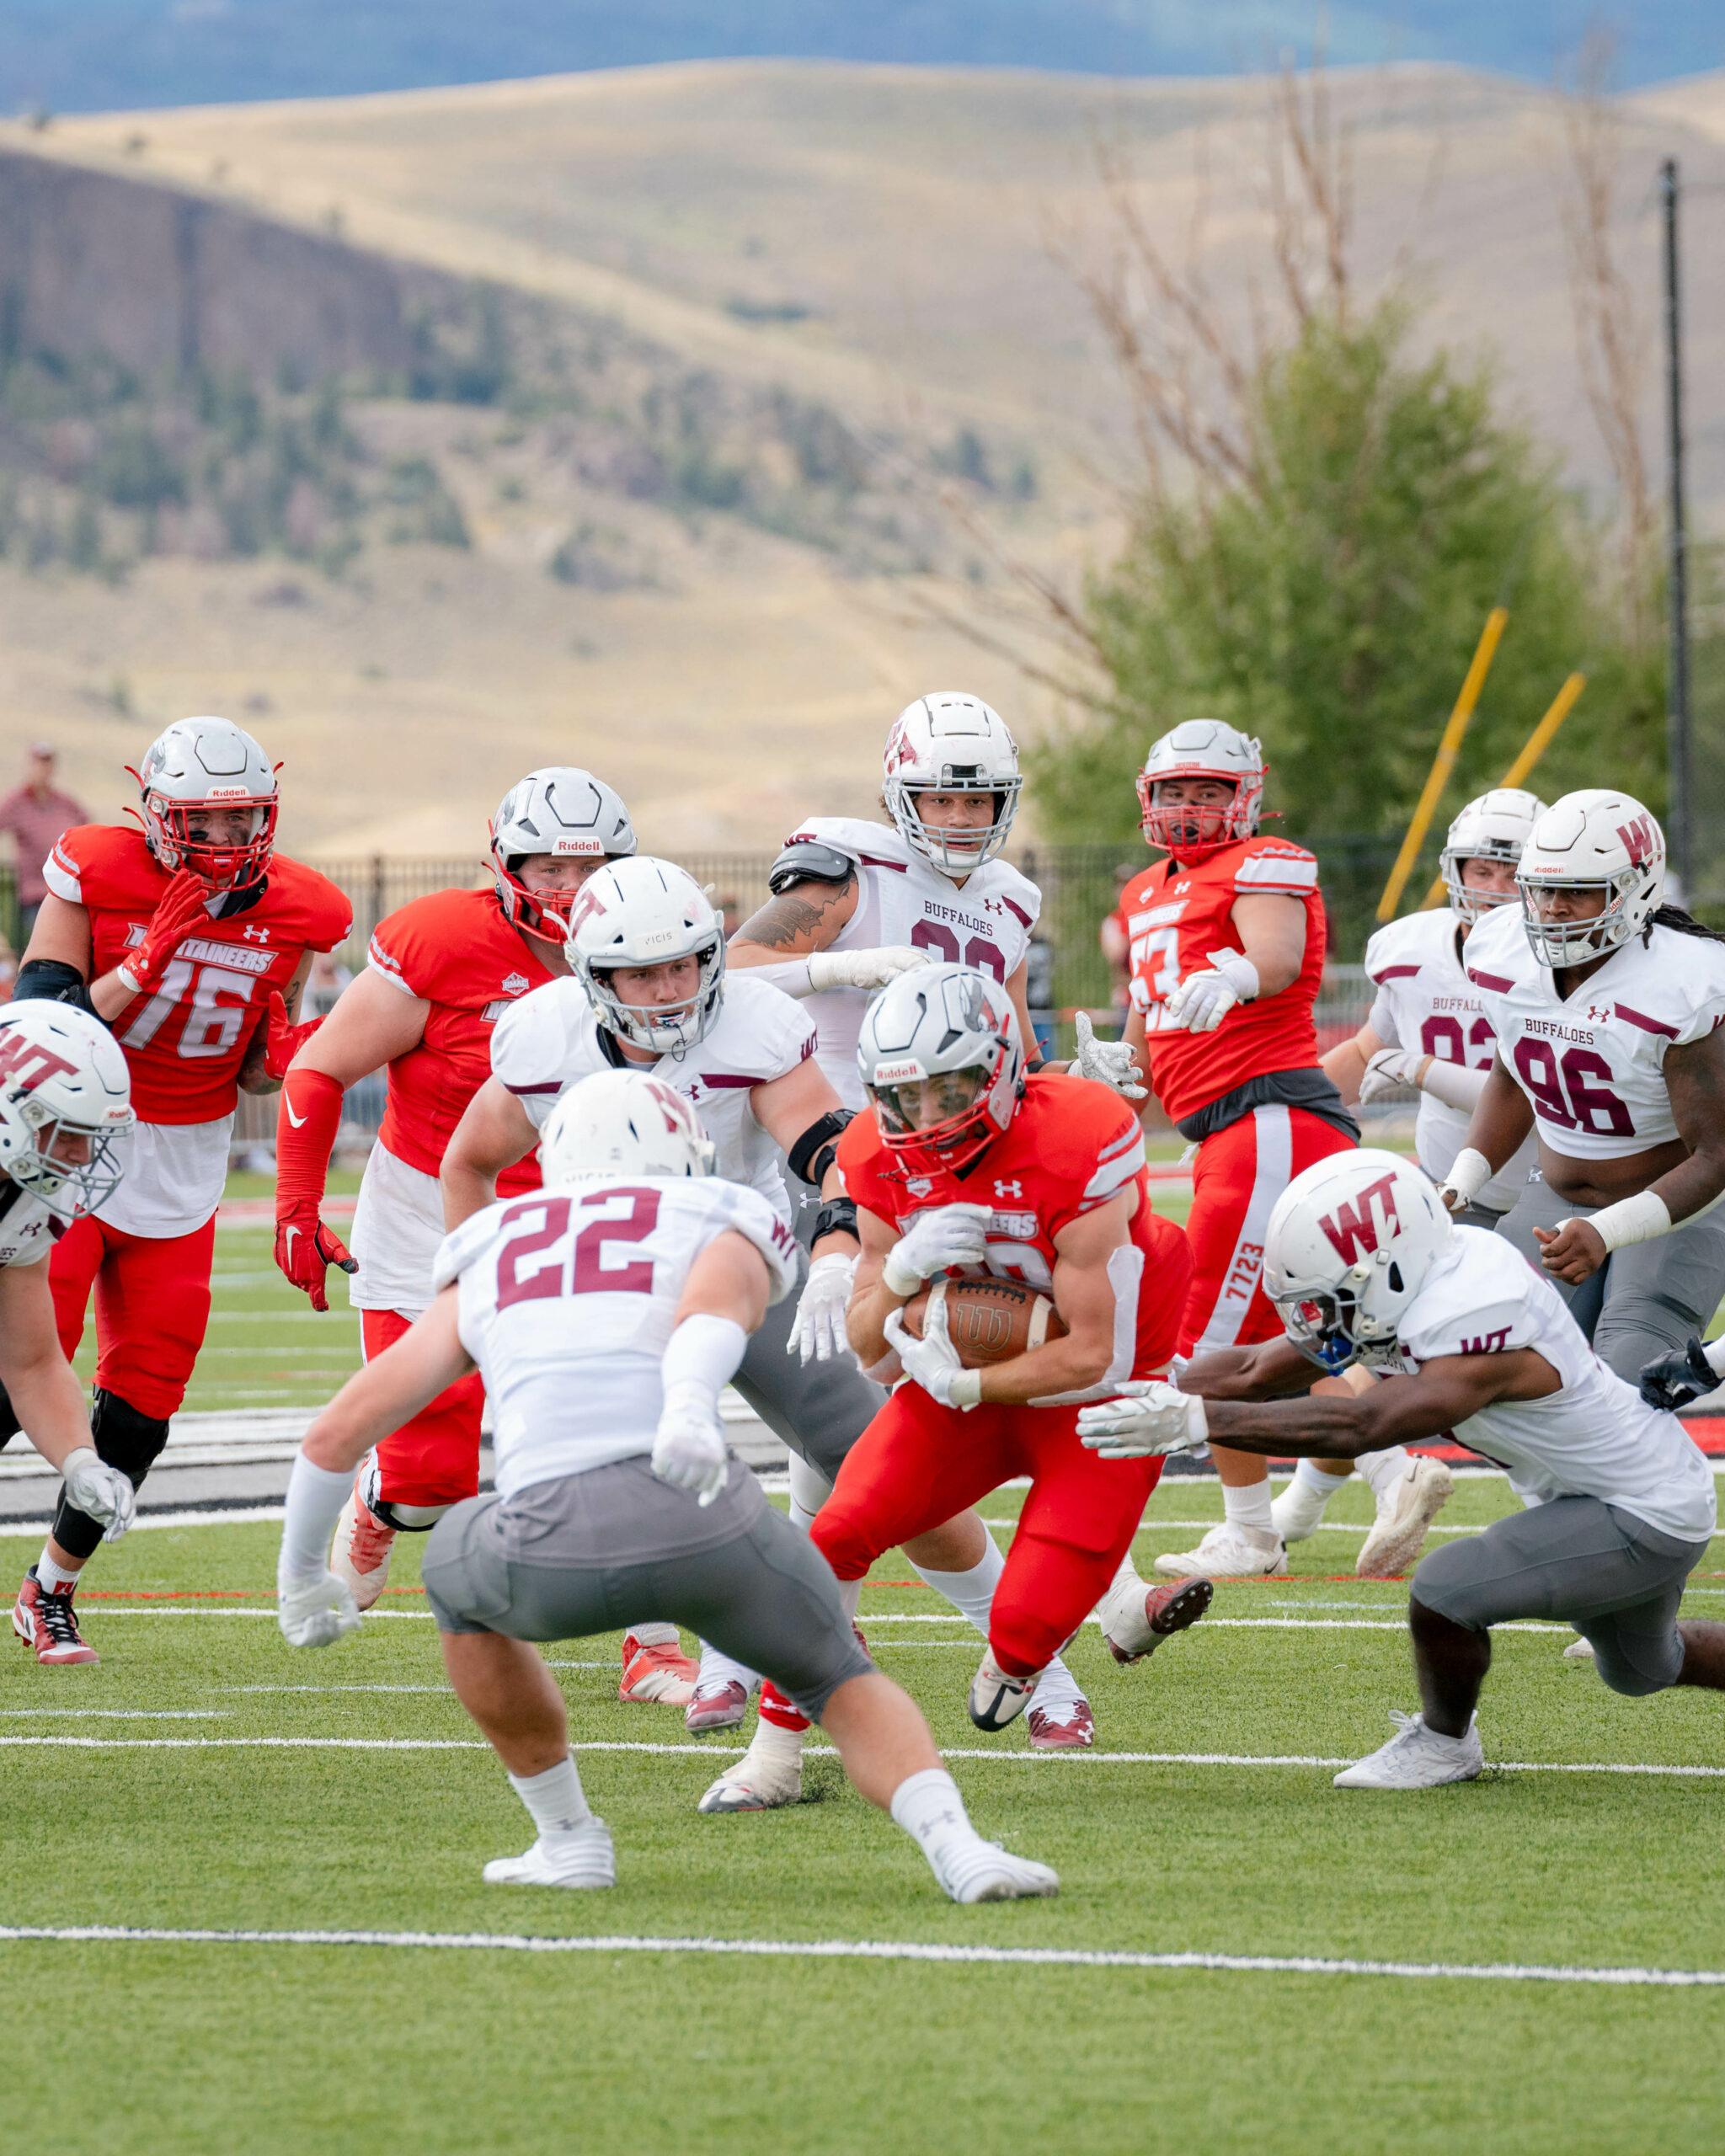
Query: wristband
{"type": "Point", "coordinates": [900, 1279]}
{"type": "Point", "coordinates": [1239, 973]}
{"type": "Point", "coordinates": [78, 1457]}
{"type": "Point", "coordinates": [837, 1216]}
{"type": "Point", "coordinates": [1470, 1171]}
{"type": "Point", "coordinates": [965, 1391]}
{"type": "Point", "coordinates": [1638, 1220]}
{"type": "Point", "coordinates": [1454, 1084]}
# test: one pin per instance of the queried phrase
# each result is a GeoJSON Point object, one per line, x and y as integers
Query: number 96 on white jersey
{"type": "Point", "coordinates": [566, 1299]}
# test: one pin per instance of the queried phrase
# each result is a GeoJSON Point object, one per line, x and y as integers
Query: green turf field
{"type": "Point", "coordinates": [137, 1795]}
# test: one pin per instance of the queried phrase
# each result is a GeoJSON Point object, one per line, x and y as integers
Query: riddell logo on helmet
{"type": "Point", "coordinates": [25, 1063]}
{"type": "Point", "coordinates": [1353, 1229]}
{"type": "Point", "coordinates": [896, 1074]}
{"type": "Point", "coordinates": [1641, 840]}
{"type": "Point", "coordinates": [587, 846]}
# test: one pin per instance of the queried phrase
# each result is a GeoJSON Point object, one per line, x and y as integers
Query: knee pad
{"type": "Point", "coordinates": [404, 1519]}
{"type": "Point", "coordinates": [125, 1438]}
{"type": "Point", "coordinates": [1620, 1672]}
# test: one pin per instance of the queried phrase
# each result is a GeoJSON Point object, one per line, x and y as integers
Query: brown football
{"type": "Point", "coordinates": [988, 1320]}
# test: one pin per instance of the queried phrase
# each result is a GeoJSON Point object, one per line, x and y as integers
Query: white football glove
{"type": "Point", "coordinates": [933, 1362]}
{"type": "Point", "coordinates": [101, 1492]}
{"type": "Point", "coordinates": [315, 1611]}
{"type": "Point", "coordinates": [689, 1450]}
{"type": "Point", "coordinates": [1202, 1001]}
{"type": "Point", "coordinates": [1110, 1063]}
{"type": "Point", "coordinates": [864, 969]}
{"type": "Point", "coordinates": [1152, 1419]}
{"type": "Point", "coordinates": [1391, 1070]}
{"type": "Point", "coordinates": [819, 1334]}
{"type": "Point", "coordinates": [937, 1240]}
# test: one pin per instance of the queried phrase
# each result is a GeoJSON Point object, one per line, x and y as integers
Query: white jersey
{"type": "Point", "coordinates": [1596, 1436]}
{"type": "Point", "coordinates": [1594, 1065]}
{"type": "Point", "coordinates": [543, 1044]}
{"type": "Point", "coordinates": [566, 1301]}
{"type": "Point", "coordinates": [902, 899]}
{"type": "Point", "coordinates": [27, 1227]}
{"type": "Point", "coordinates": [1425, 1001]}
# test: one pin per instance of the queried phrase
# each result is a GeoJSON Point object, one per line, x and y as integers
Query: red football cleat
{"type": "Point", "coordinates": [1068, 1728]}
{"type": "Point", "coordinates": [1133, 1629]}
{"type": "Point", "coordinates": [656, 1676]}
{"type": "Point", "coordinates": [48, 1623]}
{"type": "Point", "coordinates": [721, 1705]}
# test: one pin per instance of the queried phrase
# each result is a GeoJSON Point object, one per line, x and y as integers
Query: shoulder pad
{"type": "Point", "coordinates": [810, 860]}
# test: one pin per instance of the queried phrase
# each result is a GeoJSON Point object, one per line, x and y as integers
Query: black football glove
{"type": "Point", "coordinates": [1677, 1381]}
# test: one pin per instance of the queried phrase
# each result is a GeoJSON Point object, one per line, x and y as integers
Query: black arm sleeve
{"type": "Point", "coordinates": [811, 1155]}
{"type": "Point", "coordinates": [51, 980]}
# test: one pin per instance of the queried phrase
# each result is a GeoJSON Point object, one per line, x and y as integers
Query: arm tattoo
{"type": "Point", "coordinates": [793, 920]}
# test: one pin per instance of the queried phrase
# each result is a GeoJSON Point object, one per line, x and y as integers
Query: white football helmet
{"type": "Point", "coordinates": [1202, 748]}
{"type": "Point", "coordinates": [1494, 827]}
{"type": "Point", "coordinates": [559, 810]}
{"type": "Point", "coordinates": [203, 764]}
{"type": "Point", "coordinates": [62, 1078]}
{"type": "Point", "coordinates": [943, 1022]}
{"type": "Point", "coordinates": [622, 1123]}
{"type": "Point", "coordinates": [1599, 841]}
{"type": "Point", "coordinates": [1350, 1242]}
{"type": "Point", "coordinates": [951, 744]}
{"type": "Point", "coordinates": [644, 912]}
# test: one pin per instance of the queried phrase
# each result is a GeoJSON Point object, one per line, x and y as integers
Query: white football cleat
{"type": "Point", "coordinates": [1398, 1533]}
{"type": "Point", "coordinates": [1578, 1650]}
{"type": "Point", "coordinates": [769, 1774]}
{"type": "Point", "coordinates": [363, 1547]}
{"type": "Point", "coordinates": [1136, 1619]}
{"type": "Point", "coordinates": [1417, 1757]}
{"type": "Point", "coordinates": [583, 1859]}
{"type": "Point", "coordinates": [996, 1698]}
{"type": "Point", "coordinates": [1228, 1552]}
{"type": "Point", "coordinates": [983, 1871]}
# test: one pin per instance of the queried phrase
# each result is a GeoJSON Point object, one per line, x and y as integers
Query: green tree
{"type": "Point", "coordinates": [1327, 593]}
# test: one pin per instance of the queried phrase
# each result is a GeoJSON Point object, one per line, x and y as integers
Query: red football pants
{"type": "Point", "coordinates": [918, 1463]}
{"type": "Point", "coordinates": [1239, 1174]}
{"type": "Point", "coordinates": [435, 1459]}
{"type": "Point", "coordinates": [153, 1307]}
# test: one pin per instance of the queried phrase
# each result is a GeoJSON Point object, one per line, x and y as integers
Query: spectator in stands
{"type": "Point", "coordinates": [35, 814]}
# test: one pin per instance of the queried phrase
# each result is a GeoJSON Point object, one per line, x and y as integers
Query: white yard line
{"type": "Point", "coordinates": [881, 1949]}
{"type": "Point", "coordinates": [107, 1611]}
{"type": "Point", "coordinates": [997, 1756]}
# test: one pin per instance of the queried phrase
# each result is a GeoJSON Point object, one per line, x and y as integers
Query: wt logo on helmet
{"type": "Point", "coordinates": [1641, 840]}
{"type": "Point", "coordinates": [1353, 1229]}
{"type": "Point", "coordinates": [26, 1063]}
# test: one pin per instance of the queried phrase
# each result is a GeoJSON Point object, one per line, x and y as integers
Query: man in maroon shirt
{"type": "Point", "coordinates": [35, 814]}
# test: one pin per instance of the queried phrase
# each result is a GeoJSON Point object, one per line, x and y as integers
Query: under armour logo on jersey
{"type": "Point", "coordinates": [262, 935]}
{"type": "Point", "coordinates": [1184, 885]}
{"type": "Point", "coordinates": [1013, 1189]}
{"type": "Point", "coordinates": [1354, 1229]}
{"type": "Point", "coordinates": [1599, 1014]}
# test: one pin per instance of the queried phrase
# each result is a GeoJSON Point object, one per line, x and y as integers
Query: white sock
{"type": "Point", "coordinates": [1296, 1512]}
{"type": "Point", "coordinates": [554, 1799]}
{"type": "Point", "coordinates": [810, 1492]}
{"type": "Point", "coordinates": [929, 1808]}
{"type": "Point", "coordinates": [1126, 1576]}
{"type": "Point", "coordinates": [972, 1595]}
{"type": "Point", "coordinates": [656, 1636]}
{"type": "Point", "coordinates": [51, 1576]}
{"type": "Point", "coordinates": [1381, 1472]}
{"type": "Point", "coordinates": [850, 1599]}
{"type": "Point", "coordinates": [717, 1669]}
{"type": "Point", "coordinates": [1249, 1506]}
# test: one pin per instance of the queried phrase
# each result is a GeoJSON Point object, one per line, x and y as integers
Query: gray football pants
{"type": "Point", "coordinates": [1644, 1301]}
{"type": "Point", "coordinates": [1618, 1581]}
{"type": "Point", "coordinates": [588, 1553]}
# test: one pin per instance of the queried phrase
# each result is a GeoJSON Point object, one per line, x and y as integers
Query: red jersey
{"type": "Point", "coordinates": [1175, 918]}
{"type": "Point", "coordinates": [459, 951]}
{"type": "Point", "coordinates": [1072, 1146]}
{"type": "Point", "coordinates": [185, 1044]}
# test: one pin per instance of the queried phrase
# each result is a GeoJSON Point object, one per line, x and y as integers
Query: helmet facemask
{"type": "Point", "coordinates": [1328, 1328]}
{"type": "Point", "coordinates": [1466, 902]}
{"type": "Point", "coordinates": [957, 852]}
{"type": "Point", "coordinates": [664, 1029]}
{"type": "Point", "coordinates": [1192, 831]}
{"type": "Point", "coordinates": [225, 865]}
{"type": "Point", "coordinates": [544, 915]}
{"type": "Point", "coordinates": [1559, 943]}
{"type": "Point", "coordinates": [69, 1189]}
{"type": "Point", "coordinates": [970, 1113]}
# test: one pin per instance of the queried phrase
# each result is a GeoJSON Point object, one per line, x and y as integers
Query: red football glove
{"type": "Point", "coordinates": [282, 1042]}
{"type": "Point", "coordinates": [179, 911]}
{"type": "Point", "coordinates": [305, 1136]}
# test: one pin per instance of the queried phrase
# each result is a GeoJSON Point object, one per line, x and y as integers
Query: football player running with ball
{"type": "Point", "coordinates": [650, 990]}
{"type": "Point", "coordinates": [1227, 956]}
{"type": "Point", "coordinates": [854, 906]}
{"type": "Point", "coordinates": [1370, 1276]}
{"type": "Point", "coordinates": [191, 938]}
{"type": "Point", "coordinates": [441, 972]}
{"type": "Point", "coordinates": [1427, 1033]}
{"type": "Point", "coordinates": [64, 1115]}
{"type": "Point", "coordinates": [964, 1165]}
{"type": "Point", "coordinates": [604, 1314]}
